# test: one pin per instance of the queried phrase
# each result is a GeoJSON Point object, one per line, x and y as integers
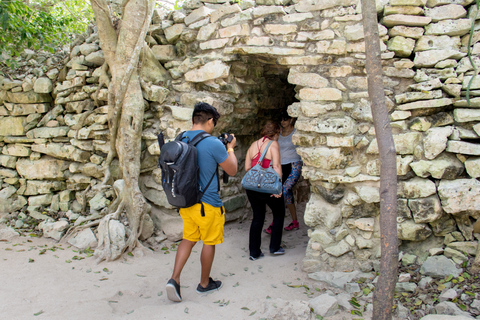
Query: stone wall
{"type": "Point", "coordinates": [250, 60]}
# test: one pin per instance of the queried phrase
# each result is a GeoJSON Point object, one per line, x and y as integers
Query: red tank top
{"type": "Point", "coordinates": [265, 163]}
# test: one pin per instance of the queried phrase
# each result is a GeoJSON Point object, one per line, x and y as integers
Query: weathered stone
{"type": "Point", "coordinates": [467, 247]}
{"type": "Point", "coordinates": [28, 97]}
{"type": "Point", "coordinates": [411, 231]}
{"type": "Point", "coordinates": [173, 33]}
{"type": "Point", "coordinates": [46, 132]}
{"type": "Point", "coordinates": [338, 249]}
{"type": "Point", "coordinates": [322, 157]}
{"type": "Point", "coordinates": [316, 36]}
{"type": "Point", "coordinates": [459, 195]}
{"type": "Point", "coordinates": [466, 115]}
{"type": "Point", "coordinates": [62, 151]}
{"type": "Point", "coordinates": [436, 103]}
{"type": "Point", "coordinates": [416, 188]}
{"type": "Point", "coordinates": [54, 230]}
{"type": "Point", "coordinates": [441, 42]}
{"type": "Point", "coordinates": [463, 147]}
{"type": "Point", "coordinates": [45, 168]}
{"type": "Point", "coordinates": [311, 80]}
{"type": "Point", "coordinates": [212, 70]}
{"type": "Point", "coordinates": [431, 57]}
{"type": "Point", "coordinates": [368, 194]}
{"type": "Point", "coordinates": [319, 212]}
{"type": "Point", "coordinates": [164, 53]}
{"type": "Point", "coordinates": [323, 94]}
{"type": "Point", "coordinates": [415, 96]}
{"type": "Point", "coordinates": [457, 27]}
{"type": "Point", "coordinates": [155, 93]}
{"type": "Point", "coordinates": [439, 266]}
{"type": "Point", "coordinates": [43, 85]}
{"type": "Point", "coordinates": [197, 15]}
{"type": "Point", "coordinates": [324, 305]}
{"type": "Point", "coordinates": [405, 20]}
{"type": "Point", "coordinates": [16, 150]}
{"type": "Point", "coordinates": [472, 165]}
{"type": "Point", "coordinates": [408, 32]}
{"type": "Point", "coordinates": [84, 239]}
{"type": "Point", "coordinates": [426, 210]}
{"type": "Point", "coordinates": [436, 141]}
{"type": "Point", "coordinates": [402, 46]}
{"type": "Point", "coordinates": [12, 126]}
{"type": "Point", "coordinates": [449, 11]}
{"type": "Point", "coordinates": [444, 167]}
{"type": "Point", "coordinates": [35, 187]}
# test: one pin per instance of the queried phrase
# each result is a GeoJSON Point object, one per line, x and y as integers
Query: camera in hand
{"type": "Point", "coordinates": [225, 138]}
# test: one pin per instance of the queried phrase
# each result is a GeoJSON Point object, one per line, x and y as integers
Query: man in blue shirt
{"type": "Point", "coordinates": [208, 228]}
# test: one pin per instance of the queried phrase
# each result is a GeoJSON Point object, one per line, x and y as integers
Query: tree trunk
{"type": "Point", "coordinates": [385, 288]}
{"type": "Point", "coordinates": [121, 46]}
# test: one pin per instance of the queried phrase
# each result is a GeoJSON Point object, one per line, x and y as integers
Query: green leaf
{"type": "Point", "coordinates": [38, 313]}
{"type": "Point", "coordinates": [251, 314]}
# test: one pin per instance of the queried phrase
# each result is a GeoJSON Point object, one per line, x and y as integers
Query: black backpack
{"type": "Point", "coordinates": [180, 171]}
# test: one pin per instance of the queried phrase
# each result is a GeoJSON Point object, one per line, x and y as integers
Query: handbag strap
{"type": "Point", "coordinates": [264, 152]}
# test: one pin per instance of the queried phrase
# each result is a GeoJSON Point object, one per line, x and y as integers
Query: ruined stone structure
{"type": "Point", "coordinates": [251, 60]}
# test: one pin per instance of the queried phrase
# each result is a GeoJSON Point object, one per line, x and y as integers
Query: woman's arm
{"type": "Point", "coordinates": [248, 158]}
{"type": "Point", "coordinates": [275, 153]}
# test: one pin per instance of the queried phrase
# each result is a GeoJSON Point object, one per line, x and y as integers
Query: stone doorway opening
{"type": "Point", "coordinates": [265, 93]}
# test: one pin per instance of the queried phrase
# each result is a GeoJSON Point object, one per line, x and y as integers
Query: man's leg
{"type": "Point", "coordinates": [183, 253]}
{"type": "Point", "coordinates": [206, 259]}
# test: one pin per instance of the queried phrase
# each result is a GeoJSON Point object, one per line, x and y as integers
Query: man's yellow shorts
{"type": "Point", "coordinates": [209, 228]}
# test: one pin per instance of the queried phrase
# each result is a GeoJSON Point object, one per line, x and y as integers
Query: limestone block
{"type": "Point", "coordinates": [266, 10]}
{"type": "Point", "coordinates": [214, 44]}
{"type": "Point", "coordinates": [164, 53]}
{"type": "Point", "coordinates": [280, 29]}
{"type": "Point", "coordinates": [466, 115]}
{"type": "Point", "coordinates": [28, 97]}
{"type": "Point", "coordinates": [8, 161]}
{"type": "Point", "coordinates": [62, 151]}
{"type": "Point", "coordinates": [472, 165]}
{"type": "Point", "coordinates": [436, 3]}
{"type": "Point", "coordinates": [297, 17]}
{"type": "Point", "coordinates": [449, 11]}
{"type": "Point", "coordinates": [197, 15]}
{"type": "Point", "coordinates": [458, 27]}
{"type": "Point", "coordinates": [343, 125]}
{"type": "Point", "coordinates": [455, 255]}
{"type": "Point", "coordinates": [316, 36]}
{"type": "Point", "coordinates": [26, 109]}
{"type": "Point", "coordinates": [399, 73]}
{"type": "Point", "coordinates": [319, 212]}
{"type": "Point", "coordinates": [212, 70]}
{"type": "Point", "coordinates": [322, 236]}
{"type": "Point", "coordinates": [12, 126]}
{"type": "Point", "coordinates": [439, 266]}
{"type": "Point", "coordinates": [431, 57]}
{"type": "Point", "coordinates": [411, 231]}
{"type": "Point", "coordinates": [8, 173]}
{"type": "Point", "coordinates": [223, 11]}
{"type": "Point", "coordinates": [435, 103]}
{"type": "Point", "coordinates": [322, 94]}
{"type": "Point", "coordinates": [174, 32]}
{"type": "Point", "coordinates": [155, 93]}
{"type": "Point", "coordinates": [405, 20]}
{"type": "Point", "coordinates": [408, 32]}
{"type": "Point", "coordinates": [459, 195]}
{"type": "Point", "coordinates": [436, 141]}
{"type": "Point", "coordinates": [441, 42]}
{"type": "Point", "coordinates": [96, 58]}
{"type": "Point", "coordinates": [84, 239]}
{"type": "Point", "coordinates": [463, 147]}
{"type": "Point", "coordinates": [35, 187]}
{"type": "Point", "coordinates": [419, 3]}
{"type": "Point", "coordinates": [40, 200]}
{"type": "Point", "coordinates": [468, 247]}
{"type": "Point", "coordinates": [402, 46]}
{"type": "Point", "coordinates": [404, 143]}
{"type": "Point", "coordinates": [53, 230]}
{"type": "Point", "coordinates": [453, 90]}
{"type": "Point", "coordinates": [235, 30]}
{"type": "Point", "coordinates": [323, 157]}
{"type": "Point", "coordinates": [259, 41]}
{"type": "Point", "coordinates": [43, 85]}
{"type": "Point", "coordinates": [44, 168]}
{"type": "Point", "coordinates": [305, 60]}
{"type": "Point", "coordinates": [368, 194]}
{"type": "Point", "coordinates": [416, 188]}
{"type": "Point", "coordinates": [408, 10]}
{"type": "Point", "coordinates": [338, 249]}
{"type": "Point", "coordinates": [427, 85]}
{"type": "Point", "coordinates": [8, 84]}
{"type": "Point", "coordinates": [334, 141]}
{"type": "Point", "coordinates": [46, 132]}
{"type": "Point", "coordinates": [415, 96]}
{"type": "Point", "coordinates": [355, 32]}
{"type": "Point", "coordinates": [98, 202]}
{"type": "Point", "coordinates": [444, 167]}
{"type": "Point", "coordinates": [92, 170]}
{"type": "Point", "coordinates": [426, 210]}
{"type": "Point", "coordinates": [312, 80]}
{"type": "Point", "coordinates": [16, 150]}
{"type": "Point", "coordinates": [335, 47]}
{"type": "Point", "coordinates": [310, 6]}
{"type": "Point", "coordinates": [207, 31]}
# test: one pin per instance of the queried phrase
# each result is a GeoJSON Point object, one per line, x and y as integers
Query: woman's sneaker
{"type": "Point", "coordinates": [212, 285]}
{"type": "Point", "coordinates": [292, 226]}
{"type": "Point", "coordinates": [269, 229]}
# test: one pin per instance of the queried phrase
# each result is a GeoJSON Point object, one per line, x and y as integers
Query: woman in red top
{"type": "Point", "coordinates": [259, 200]}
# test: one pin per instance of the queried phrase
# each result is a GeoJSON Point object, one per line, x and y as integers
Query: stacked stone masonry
{"type": "Point", "coordinates": [54, 131]}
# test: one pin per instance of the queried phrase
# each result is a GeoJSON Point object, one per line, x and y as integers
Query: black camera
{"type": "Point", "coordinates": [225, 138]}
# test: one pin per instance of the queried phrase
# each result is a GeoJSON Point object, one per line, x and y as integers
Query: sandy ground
{"type": "Point", "coordinates": [43, 279]}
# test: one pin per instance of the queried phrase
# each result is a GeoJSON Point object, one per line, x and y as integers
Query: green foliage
{"type": "Point", "coordinates": [40, 24]}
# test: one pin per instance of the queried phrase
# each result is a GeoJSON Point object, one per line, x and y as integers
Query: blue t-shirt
{"type": "Point", "coordinates": [210, 153]}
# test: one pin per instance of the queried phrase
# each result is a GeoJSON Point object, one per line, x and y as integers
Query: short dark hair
{"type": "Point", "coordinates": [285, 116]}
{"type": "Point", "coordinates": [203, 111]}
{"type": "Point", "coordinates": [270, 129]}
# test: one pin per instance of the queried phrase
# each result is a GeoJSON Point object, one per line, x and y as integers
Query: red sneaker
{"type": "Point", "coordinates": [269, 229]}
{"type": "Point", "coordinates": [292, 226]}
